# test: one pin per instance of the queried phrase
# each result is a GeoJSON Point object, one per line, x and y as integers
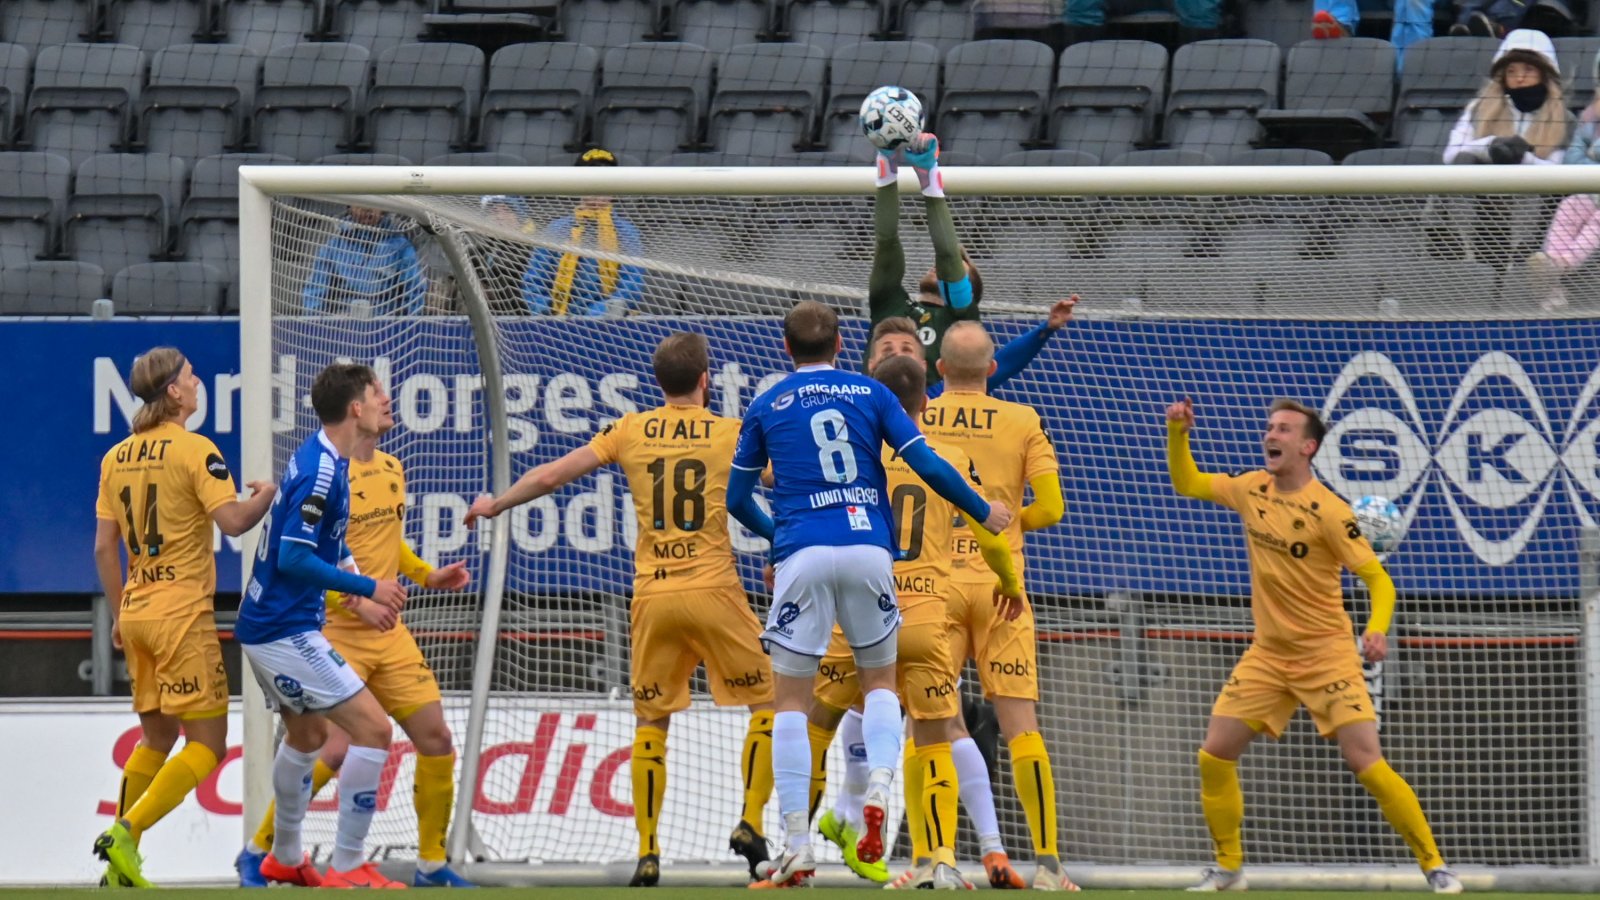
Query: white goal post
{"type": "Point", "coordinates": [1399, 300]}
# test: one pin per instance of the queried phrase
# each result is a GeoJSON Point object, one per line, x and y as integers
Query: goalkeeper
{"type": "Point", "coordinates": [949, 292]}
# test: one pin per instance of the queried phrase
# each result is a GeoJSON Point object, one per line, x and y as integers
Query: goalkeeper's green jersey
{"type": "Point", "coordinates": [932, 320]}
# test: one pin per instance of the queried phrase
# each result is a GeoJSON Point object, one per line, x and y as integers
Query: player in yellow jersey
{"type": "Point", "coordinates": [1009, 445]}
{"type": "Point", "coordinates": [382, 652]}
{"type": "Point", "coordinates": [161, 490]}
{"type": "Point", "coordinates": [688, 603]}
{"type": "Point", "coordinates": [1298, 534]}
{"type": "Point", "coordinates": [928, 672]}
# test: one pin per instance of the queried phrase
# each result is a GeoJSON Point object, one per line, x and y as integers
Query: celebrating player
{"type": "Point", "coordinates": [823, 431]}
{"type": "Point", "coordinates": [688, 603]}
{"type": "Point", "coordinates": [951, 290]}
{"type": "Point", "coordinates": [1298, 537]}
{"type": "Point", "coordinates": [303, 554]}
{"type": "Point", "coordinates": [384, 655]}
{"type": "Point", "coordinates": [1008, 444]}
{"type": "Point", "coordinates": [161, 488]}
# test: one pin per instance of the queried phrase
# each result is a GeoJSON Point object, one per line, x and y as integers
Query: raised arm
{"type": "Point", "coordinates": [888, 254]}
{"type": "Point", "coordinates": [535, 483]}
{"type": "Point", "coordinates": [1187, 478]}
{"type": "Point", "coordinates": [1019, 353]}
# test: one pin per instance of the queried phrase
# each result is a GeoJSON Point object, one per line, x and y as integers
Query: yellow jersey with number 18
{"type": "Point", "coordinates": [677, 460]}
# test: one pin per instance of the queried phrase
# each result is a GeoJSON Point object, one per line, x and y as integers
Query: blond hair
{"type": "Point", "coordinates": [1491, 112]}
{"type": "Point", "coordinates": [967, 358]}
{"type": "Point", "coordinates": [152, 374]}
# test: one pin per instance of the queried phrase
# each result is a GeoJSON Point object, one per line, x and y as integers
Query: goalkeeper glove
{"type": "Point", "coordinates": [888, 168]}
{"type": "Point", "coordinates": [922, 152]}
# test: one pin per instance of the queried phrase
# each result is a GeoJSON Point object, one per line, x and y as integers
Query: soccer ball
{"type": "Point", "coordinates": [1379, 520]}
{"type": "Point", "coordinates": [891, 116]}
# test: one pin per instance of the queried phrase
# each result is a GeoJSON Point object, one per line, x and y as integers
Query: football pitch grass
{"type": "Point", "coordinates": [691, 893]}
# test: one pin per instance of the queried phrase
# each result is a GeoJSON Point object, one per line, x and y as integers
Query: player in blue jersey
{"type": "Point", "coordinates": [301, 555]}
{"type": "Point", "coordinates": [823, 431]}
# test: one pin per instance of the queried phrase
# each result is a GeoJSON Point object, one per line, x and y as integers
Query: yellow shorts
{"type": "Point", "coordinates": [1006, 653]}
{"type": "Point", "coordinates": [925, 670]}
{"type": "Point", "coordinates": [176, 665]}
{"type": "Point", "coordinates": [389, 662]}
{"type": "Point", "coordinates": [673, 633]}
{"type": "Point", "coordinates": [1264, 688]}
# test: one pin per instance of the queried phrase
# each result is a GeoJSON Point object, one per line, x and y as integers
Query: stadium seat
{"type": "Point", "coordinates": [208, 226]}
{"type": "Point", "coordinates": [1170, 157]}
{"type": "Point", "coordinates": [1049, 158]}
{"type": "Point", "coordinates": [537, 104]}
{"type": "Point", "coordinates": [153, 25]}
{"type": "Point", "coordinates": [83, 95]}
{"type": "Point", "coordinates": [1217, 89]}
{"type": "Point", "coordinates": [860, 68]}
{"type": "Point", "coordinates": [54, 287]}
{"type": "Point", "coordinates": [940, 23]}
{"type": "Point", "coordinates": [994, 94]}
{"type": "Point", "coordinates": [168, 289]}
{"type": "Point", "coordinates": [651, 97]}
{"type": "Point", "coordinates": [309, 96]}
{"type": "Point", "coordinates": [767, 99]}
{"type": "Point", "coordinates": [719, 23]}
{"type": "Point", "coordinates": [379, 25]}
{"type": "Point", "coordinates": [1305, 284]}
{"type": "Point", "coordinates": [825, 158]}
{"type": "Point", "coordinates": [1577, 55]}
{"type": "Point", "coordinates": [362, 159]}
{"type": "Point", "coordinates": [197, 99]}
{"type": "Point", "coordinates": [477, 159]}
{"type": "Point", "coordinates": [1109, 96]}
{"type": "Point", "coordinates": [1280, 156]}
{"type": "Point", "coordinates": [1394, 156]}
{"type": "Point", "coordinates": [604, 24]}
{"type": "Point", "coordinates": [122, 207]}
{"type": "Point", "coordinates": [1337, 95]}
{"type": "Point", "coordinates": [707, 158]}
{"type": "Point", "coordinates": [422, 99]}
{"type": "Point", "coordinates": [14, 68]}
{"type": "Point", "coordinates": [262, 26]}
{"type": "Point", "coordinates": [33, 197]}
{"type": "Point", "coordinates": [832, 23]}
{"type": "Point", "coordinates": [1441, 77]}
{"type": "Point", "coordinates": [1437, 287]}
{"type": "Point", "coordinates": [36, 24]}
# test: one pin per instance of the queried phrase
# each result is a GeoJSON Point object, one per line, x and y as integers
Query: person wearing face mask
{"type": "Point", "coordinates": [1520, 116]}
{"type": "Point", "coordinates": [1574, 233]}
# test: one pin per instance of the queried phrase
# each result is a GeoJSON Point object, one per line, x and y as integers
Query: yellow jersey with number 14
{"type": "Point", "coordinates": [676, 459]}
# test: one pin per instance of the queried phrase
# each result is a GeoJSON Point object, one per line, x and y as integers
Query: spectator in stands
{"type": "Point", "coordinates": [1085, 20]}
{"type": "Point", "coordinates": [1520, 116]}
{"type": "Point", "coordinates": [1494, 18]}
{"type": "Point", "coordinates": [1574, 233]}
{"type": "Point", "coordinates": [502, 263]}
{"type": "Point", "coordinates": [571, 283]}
{"type": "Point", "coordinates": [369, 258]}
{"type": "Point", "coordinates": [1413, 20]}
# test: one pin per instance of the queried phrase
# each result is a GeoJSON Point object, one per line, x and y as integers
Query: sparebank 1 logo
{"type": "Point", "coordinates": [1494, 458]}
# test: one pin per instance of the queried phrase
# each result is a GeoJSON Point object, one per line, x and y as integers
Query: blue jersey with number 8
{"type": "Point", "coordinates": [822, 430]}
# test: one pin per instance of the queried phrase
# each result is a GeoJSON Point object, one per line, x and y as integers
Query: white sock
{"type": "Point", "coordinates": [880, 731]}
{"type": "Point", "coordinates": [972, 775]}
{"type": "Point", "coordinates": [291, 788]}
{"type": "Point", "coordinates": [358, 799]}
{"type": "Point", "coordinates": [430, 866]}
{"type": "Point", "coordinates": [791, 769]}
{"type": "Point", "coordinates": [847, 805]}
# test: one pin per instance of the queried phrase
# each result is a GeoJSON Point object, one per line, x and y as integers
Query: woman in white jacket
{"type": "Point", "coordinates": [1520, 116]}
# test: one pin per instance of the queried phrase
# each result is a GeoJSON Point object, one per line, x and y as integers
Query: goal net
{"type": "Point", "coordinates": [1458, 379]}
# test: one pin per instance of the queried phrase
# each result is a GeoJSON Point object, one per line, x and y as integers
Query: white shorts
{"type": "Point", "coordinates": [302, 673]}
{"type": "Point", "coordinates": [818, 586]}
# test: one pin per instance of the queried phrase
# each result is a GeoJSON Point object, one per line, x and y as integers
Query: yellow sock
{"type": "Point", "coordinates": [176, 778]}
{"type": "Point", "coordinates": [1223, 803]}
{"type": "Point", "coordinates": [916, 822]}
{"type": "Point", "coordinates": [821, 740]}
{"type": "Point", "coordinates": [140, 770]}
{"type": "Point", "coordinates": [434, 792]}
{"type": "Point", "coordinates": [1399, 805]}
{"type": "Point", "coordinates": [649, 785]}
{"type": "Point", "coordinates": [320, 776]}
{"type": "Point", "coordinates": [940, 794]}
{"type": "Point", "coordinates": [755, 767]}
{"type": "Point", "coordinates": [1036, 789]}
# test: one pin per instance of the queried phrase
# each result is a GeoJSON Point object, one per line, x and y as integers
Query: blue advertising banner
{"type": "Point", "coordinates": [1487, 435]}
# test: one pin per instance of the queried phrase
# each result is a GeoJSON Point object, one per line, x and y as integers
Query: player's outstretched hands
{"type": "Point", "coordinates": [390, 593]}
{"type": "Point", "coordinates": [1374, 646]}
{"type": "Point", "coordinates": [482, 508]}
{"type": "Point", "coordinates": [453, 577]}
{"type": "Point", "coordinates": [922, 151]}
{"type": "Point", "coordinates": [376, 615]}
{"type": "Point", "coordinates": [999, 517]}
{"type": "Point", "coordinates": [1061, 313]}
{"type": "Point", "coordinates": [1182, 412]}
{"type": "Point", "coordinates": [1008, 605]}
